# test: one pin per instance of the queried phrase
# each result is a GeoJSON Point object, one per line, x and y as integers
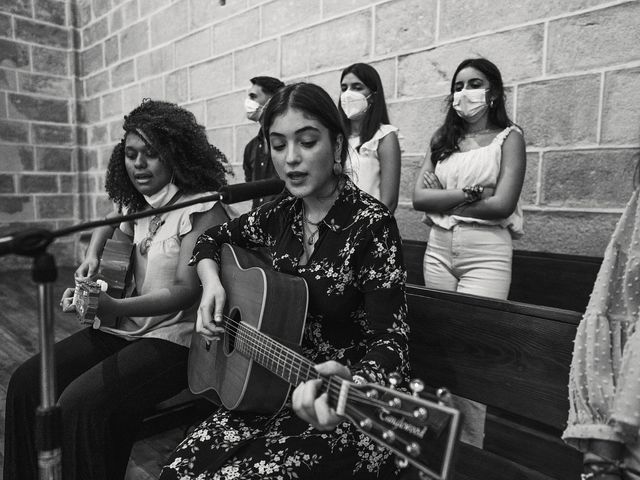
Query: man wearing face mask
{"type": "Point", "coordinates": [257, 163]}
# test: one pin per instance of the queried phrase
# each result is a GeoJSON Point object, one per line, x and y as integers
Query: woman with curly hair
{"type": "Point", "coordinates": [109, 378]}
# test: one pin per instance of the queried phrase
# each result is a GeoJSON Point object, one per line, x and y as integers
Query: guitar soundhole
{"type": "Point", "coordinates": [233, 323]}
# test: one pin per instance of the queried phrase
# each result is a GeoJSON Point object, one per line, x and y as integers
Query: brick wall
{"type": "Point", "coordinates": [38, 161]}
{"type": "Point", "coordinates": [572, 71]}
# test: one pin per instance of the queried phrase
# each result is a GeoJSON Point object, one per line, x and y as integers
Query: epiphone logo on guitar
{"type": "Point", "coordinates": [403, 424]}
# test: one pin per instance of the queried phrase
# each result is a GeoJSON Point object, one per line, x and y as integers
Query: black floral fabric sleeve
{"type": "Point", "coordinates": [381, 277]}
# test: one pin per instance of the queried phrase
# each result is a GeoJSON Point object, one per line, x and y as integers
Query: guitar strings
{"type": "Point", "coordinates": [264, 346]}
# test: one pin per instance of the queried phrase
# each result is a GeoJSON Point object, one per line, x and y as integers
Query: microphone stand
{"type": "Point", "coordinates": [33, 243]}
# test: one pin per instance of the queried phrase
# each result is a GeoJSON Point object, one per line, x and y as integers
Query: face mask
{"type": "Point", "coordinates": [253, 109]}
{"type": "Point", "coordinates": [162, 196]}
{"type": "Point", "coordinates": [353, 103]}
{"type": "Point", "coordinates": [470, 104]}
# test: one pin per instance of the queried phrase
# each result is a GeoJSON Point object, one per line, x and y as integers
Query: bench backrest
{"type": "Point", "coordinates": [540, 278]}
{"type": "Point", "coordinates": [510, 356]}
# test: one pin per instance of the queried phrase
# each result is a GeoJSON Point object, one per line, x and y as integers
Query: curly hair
{"type": "Point", "coordinates": [182, 144]}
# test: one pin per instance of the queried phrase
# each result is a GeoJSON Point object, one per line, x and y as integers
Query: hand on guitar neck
{"type": "Point", "coordinates": [315, 408]}
{"type": "Point", "coordinates": [98, 284]}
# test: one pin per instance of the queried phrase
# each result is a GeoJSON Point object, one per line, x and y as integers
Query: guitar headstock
{"type": "Point", "coordinates": [422, 432]}
{"type": "Point", "coordinates": [85, 300]}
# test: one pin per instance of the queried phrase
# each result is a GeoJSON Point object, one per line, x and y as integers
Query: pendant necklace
{"type": "Point", "coordinates": [313, 234]}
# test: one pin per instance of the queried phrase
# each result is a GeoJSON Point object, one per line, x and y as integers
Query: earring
{"type": "Point", "coordinates": [337, 167]}
{"type": "Point", "coordinates": [491, 103]}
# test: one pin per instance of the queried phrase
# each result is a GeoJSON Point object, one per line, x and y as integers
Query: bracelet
{"type": "Point", "coordinates": [595, 468]}
{"type": "Point", "coordinates": [473, 193]}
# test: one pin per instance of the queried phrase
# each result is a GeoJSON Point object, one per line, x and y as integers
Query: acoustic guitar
{"type": "Point", "coordinates": [256, 362]}
{"type": "Point", "coordinates": [114, 276]}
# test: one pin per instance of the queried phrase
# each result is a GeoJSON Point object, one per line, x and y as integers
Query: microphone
{"type": "Point", "coordinates": [32, 241]}
{"type": "Point", "coordinates": [239, 192]}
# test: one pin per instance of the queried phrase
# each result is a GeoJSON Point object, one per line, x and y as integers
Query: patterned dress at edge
{"type": "Point", "coordinates": [604, 381]}
{"type": "Point", "coordinates": [356, 316]}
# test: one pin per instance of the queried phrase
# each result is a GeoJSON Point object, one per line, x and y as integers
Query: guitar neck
{"type": "Point", "coordinates": [275, 357]}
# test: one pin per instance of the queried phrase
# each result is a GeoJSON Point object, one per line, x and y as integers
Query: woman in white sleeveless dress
{"type": "Point", "coordinates": [469, 187]}
{"type": "Point", "coordinates": [374, 150]}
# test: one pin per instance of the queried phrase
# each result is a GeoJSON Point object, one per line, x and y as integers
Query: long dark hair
{"type": "Point", "coordinates": [376, 114]}
{"type": "Point", "coordinates": [313, 101]}
{"type": "Point", "coordinates": [445, 141]}
{"type": "Point", "coordinates": [182, 144]}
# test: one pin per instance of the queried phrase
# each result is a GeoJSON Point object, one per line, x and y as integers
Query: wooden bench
{"type": "Point", "coordinates": [510, 356]}
{"type": "Point", "coordinates": [540, 278]}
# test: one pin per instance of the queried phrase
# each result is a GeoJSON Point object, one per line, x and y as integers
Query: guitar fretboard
{"type": "Point", "coordinates": [277, 358]}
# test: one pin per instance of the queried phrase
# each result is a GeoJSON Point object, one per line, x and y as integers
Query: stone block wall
{"type": "Point", "coordinates": [572, 71]}
{"type": "Point", "coordinates": [38, 144]}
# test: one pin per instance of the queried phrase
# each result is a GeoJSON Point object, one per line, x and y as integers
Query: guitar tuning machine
{"type": "Point", "coordinates": [417, 386]}
{"type": "Point", "coordinates": [373, 394]}
{"type": "Point", "coordinates": [389, 436]}
{"type": "Point", "coordinates": [444, 397]}
{"type": "Point", "coordinates": [402, 462]}
{"type": "Point", "coordinates": [420, 413]}
{"type": "Point", "coordinates": [366, 424]}
{"type": "Point", "coordinates": [394, 403]}
{"type": "Point", "coordinates": [413, 449]}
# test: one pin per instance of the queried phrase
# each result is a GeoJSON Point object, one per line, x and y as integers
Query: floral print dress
{"type": "Point", "coordinates": [356, 316]}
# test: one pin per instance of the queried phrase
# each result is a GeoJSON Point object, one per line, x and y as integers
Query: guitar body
{"type": "Point", "coordinates": [273, 303]}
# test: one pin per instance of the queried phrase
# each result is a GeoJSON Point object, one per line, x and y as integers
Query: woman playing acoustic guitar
{"type": "Point", "coordinates": [346, 246]}
{"type": "Point", "coordinates": [108, 379]}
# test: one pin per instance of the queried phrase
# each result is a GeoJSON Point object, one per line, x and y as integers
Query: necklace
{"type": "Point", "coordinates": [154, 225]}
{"type": "Point", "coordinates": [479, 132]}
{"type": "Point", "coordinates": [307, 224]}
{"type": "Point", "coordinates": [313, 234]}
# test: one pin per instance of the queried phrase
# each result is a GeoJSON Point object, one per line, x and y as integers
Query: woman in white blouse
{"type": "Point", "coordinates": [374, 156]}
{"type": "Point", "coordinates": [469, 187]}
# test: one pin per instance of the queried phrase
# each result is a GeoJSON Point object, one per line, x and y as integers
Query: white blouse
{"type": "Point", "coordinates": [480, 166]}
{"type": "Point", "coordinates": [157, 269]}
{"type": "Point", "coordinates": [364, 167]}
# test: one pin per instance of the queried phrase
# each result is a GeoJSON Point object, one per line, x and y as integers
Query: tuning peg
{"type": "Point", "coordinates": [366, 423]}
{"type": "Point", "coordinates": [421, 413]}
{"type": "Point", "coordinates": [389, 436]}
{"type": "Point", "coordinates": [401, 462]}
{"type": "Point", "coordinates": [413, 449]}
{"type": "Point", "coordinates": [417, 386]}
{"type": "Point", "coordinates": [394, 403]}
{"type": "Point", "coordinates": [373, 393]}
{"type": "Point", "coordinates": [394, 379]}
{"type": "Point", "coordinates": [444, 396]}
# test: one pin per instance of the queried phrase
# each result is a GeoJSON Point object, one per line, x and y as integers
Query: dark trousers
{"type": "Point", "coordinates": [105, 386]}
